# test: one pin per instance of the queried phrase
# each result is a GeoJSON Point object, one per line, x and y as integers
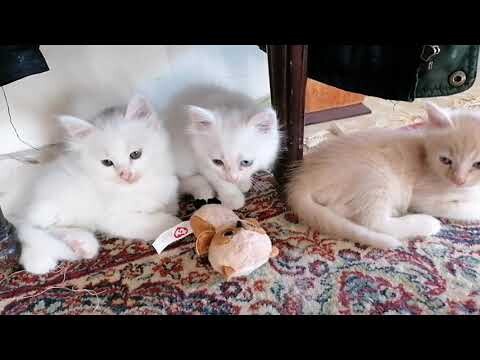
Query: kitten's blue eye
{"type": "Point", "coordinates": [446, 161]}
{"type": "Point", "coordinates": [218, 162]}
{"type": "Point", "coordinates": [107, 162]}
{"type": "Point", "coordinates": [136, 155]}
{"type": "Point", "coordinates": [477, 165]}
{"type": "Point", "coordinates": [246, 163]}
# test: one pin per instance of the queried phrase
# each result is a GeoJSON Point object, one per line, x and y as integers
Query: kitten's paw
{"type": "Point", "coordinates": [233, 201]}
{"type": "Point", "coordinates": [388, 243]}
{"type": "Point", "coordinates": [429, 225]}
{"type": "Point", "coordinates": [41, 250]}
{"type": "Point", "coordinates": [197, 186]}
{"type": "Point", "coordinates": [204, 193]}
{"type": "Point", "coordinates": [83, 244]}
{"type": "Point", "coordinates": [381, 241]}
{"type": "Point", "coordinates": [37, 263]}
{"type": "Point", "coordinates": [245, 185]}
{"type": "Point", "coordinates": [420, 225]}
{"type": "Point", "coordinates": [412, 225]}
{"type": "Point", "coordinates": [85, 249]}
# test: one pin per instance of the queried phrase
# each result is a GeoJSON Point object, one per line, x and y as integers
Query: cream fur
{"type": "Point", "coordinates": [382, 186]}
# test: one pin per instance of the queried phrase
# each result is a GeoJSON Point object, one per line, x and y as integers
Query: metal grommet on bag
{"type": "Point", "coordinates": [457, 78]}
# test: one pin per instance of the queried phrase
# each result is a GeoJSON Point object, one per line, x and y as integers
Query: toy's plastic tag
{"type": "Point", "coordinates": [173, 234]}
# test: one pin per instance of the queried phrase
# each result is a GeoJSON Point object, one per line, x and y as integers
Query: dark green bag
{"type": "Point", "coordinates": [454, 70]}
{"type": "Point", "coordinates": [395, 72]}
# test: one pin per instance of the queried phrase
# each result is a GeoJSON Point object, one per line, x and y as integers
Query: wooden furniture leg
{"type": "Point", "coordinates": [288, 77]}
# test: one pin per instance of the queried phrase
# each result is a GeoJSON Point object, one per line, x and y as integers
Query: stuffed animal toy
{"type": "Point", "coordinates": [235, 247]}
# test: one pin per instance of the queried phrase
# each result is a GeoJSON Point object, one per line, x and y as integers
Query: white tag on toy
{"type": "Point", "coordinates": [173, 234]}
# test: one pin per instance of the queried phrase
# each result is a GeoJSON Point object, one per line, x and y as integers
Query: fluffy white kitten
{"type": "Point", "coordinates": [116, 177]}
{"type": "Point", "coordinates": [379, 187]}
{"type": "Point", "coordinates": [220, 138]}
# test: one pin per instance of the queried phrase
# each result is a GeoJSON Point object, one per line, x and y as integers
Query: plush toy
{"type": "Point", "coordinates": [235, 247]}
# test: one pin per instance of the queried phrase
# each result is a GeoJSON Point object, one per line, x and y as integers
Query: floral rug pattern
{"type": "Point", "coordinates": [313, 274]}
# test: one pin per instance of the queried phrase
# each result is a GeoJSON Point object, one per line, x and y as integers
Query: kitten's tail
{"type": "Point", "coordinates": [324, 219]}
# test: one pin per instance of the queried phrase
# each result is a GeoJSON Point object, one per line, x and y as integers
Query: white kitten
{"type": "Point", "coordinates": [363, 186]}
{"type": "Point", "coordinates": [220, 138]}
{"type": "Point", "coordinates": [116, 177]}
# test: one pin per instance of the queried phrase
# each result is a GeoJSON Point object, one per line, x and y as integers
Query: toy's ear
{"type": "Point", "coordinates": [199, 225]}
{"type": "Point", "coordinates": [256, 225]}
{"type": "Point", "coordinates": [204, 233]}
{"type": "Point", "coordinates": [227, 271]}
{"type": "Point", "coordinates": [274, 252]}
{"type": "Point", "coordinates": [203, 242]}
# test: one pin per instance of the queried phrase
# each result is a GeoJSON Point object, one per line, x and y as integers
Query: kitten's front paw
{"type": "Point", "coordinates": [425, 225]}
{"type": "Point", "coordinates": [36, 263]}
{"type": "Point", "coordinates": [85, 248]}
{"type": "Point", "coordinates": [84, 244]}
{"type": "Point", "coordinates": [432, 226]}
{"type": "Point", "coordinates": [245, 186]}
{"type": "Point", "coordinates": [204, 193]}
{"type": "Point", "coordinates": [387, 242]}
{"type": "Point", "coordinates": [233, 201]}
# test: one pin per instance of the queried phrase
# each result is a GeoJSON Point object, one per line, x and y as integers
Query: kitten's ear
{"type": "Point", "coordinates": [437, 117]}
{"type": "Point", "coordinates": [75, 128]}
{"type": "Point", "coordinates": [201, 119]}
{"type": "Point", "coordinates": [264, 121]}
{"type": "Point", "coordinates": [139, 108]}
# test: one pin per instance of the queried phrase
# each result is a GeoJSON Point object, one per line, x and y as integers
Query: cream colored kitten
{"type": "Point", "coordinates": [381, 186]}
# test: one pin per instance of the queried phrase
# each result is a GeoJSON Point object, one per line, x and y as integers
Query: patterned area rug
{"type": "Point", "coordinates": [312, 275]}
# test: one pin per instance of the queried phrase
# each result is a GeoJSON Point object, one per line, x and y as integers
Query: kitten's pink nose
{"type": "Point", "coordinates": [459, 181]}
{"type": "Point", "coordinates": [127, 175]}
{"type": "Point", "coordinates": [232, 178]}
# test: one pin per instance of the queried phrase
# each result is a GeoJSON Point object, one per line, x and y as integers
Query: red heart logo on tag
{"type": "Point", "coordinates": [180, 231]}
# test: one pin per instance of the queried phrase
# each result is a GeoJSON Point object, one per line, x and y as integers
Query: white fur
{"type": "Point", "coordinates": [212, 122]}
{"type": "Point", "coordinates": [363, 186]}
{"type": "Point", "coordinates": [75, 195]}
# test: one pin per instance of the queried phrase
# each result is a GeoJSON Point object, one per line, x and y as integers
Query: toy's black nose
{"type": "Point", "coordinates": [239, 224]}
